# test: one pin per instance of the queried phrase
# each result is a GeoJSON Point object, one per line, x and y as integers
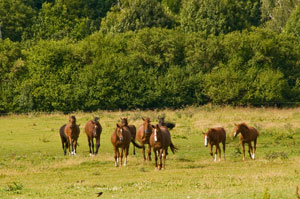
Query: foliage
{"type": "Point", "coordinates": [217, 17]}
{"type": "Point", "coordinates": [15, 17]}
{"type": "Point", "coordinates": [134, 15]}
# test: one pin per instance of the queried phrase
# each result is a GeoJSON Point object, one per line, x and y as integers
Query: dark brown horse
{"type": "Point", "coordinates": [93, 130]}
{"type": "Point", "coordinates": [72, 132]}
{"type": "Point", "coordinates": [143, 135]}
{"type": "Point", "coordinates": [214, 136]}
{"type": "Point", "coordinates": [248, 134]}
{"type": "Point", "coordinates": [63, 138]}
{"type": "Point", "coordinates": [160, 140]}
{"type": "Point", "coordinates": [132, 129]}
{"type": "Point", "coordinates": [161, 122]}
{"type": "Point", "coordinates": [121, 138]}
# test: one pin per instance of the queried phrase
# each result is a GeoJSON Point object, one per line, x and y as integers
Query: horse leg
{"type": "Point", "coordinates": [210, 149]}
{"type": "Point", "coordinates": [97, 144]}
{"type": "Point", "coordinates": [243, 145]}
{"type": "Point", "coordinates": [224, 149]}
{"type": "Point", "coordinates": [216, 151]}
{"type": "Point", "coordinates": [250, 150]}
{"type": "Point", "coordinates": [75, 146]}
{"type": "Point", "coordinates": [149, 152]}
{"type": "Point", "coordinates": [155, 154]}
{"type": "Point", "coordinates": [160, 158]}
{"type": "Point", "coordinates": [164, 158]}
{"type": "Point", "coordinates": [63, 146]}
{"type": "Point", "coordinates": [143, 151]}
{"type": "Point", "coordinates": [133, 147]}
{"type": "Point", "coordinates": [69, 145]}
{"type": "Point", "coordinates": [219, 151]}
{"type": "Point", "coordinates": [122, 149]}
{"type": "Point", "coordinates": [126, 153]}
{"type": "Point", "coordinates": [89, 140]}
{"type": "Point", "coordinates": [116, 150]}
{"type": "Point", "coordinates": [93, 145]}
{"type": "Point", "coordinates": [254, 149]}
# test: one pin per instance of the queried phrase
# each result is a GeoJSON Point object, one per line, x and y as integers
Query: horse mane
{"type": "Point", "coordinates": [244, 125]}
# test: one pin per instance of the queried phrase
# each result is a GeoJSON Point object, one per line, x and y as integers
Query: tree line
{"type": "Point", "coordinates": [68, 55]}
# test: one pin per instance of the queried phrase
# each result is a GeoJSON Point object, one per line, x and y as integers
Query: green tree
{"type": "Point", "coordinates": [134, 15]}
{"type": "Point", "coordinates": [15, 17]}
{"type": "Point", "coordinates": [293, 23]}
{"type": "Point", "coordinates": [219, 16]}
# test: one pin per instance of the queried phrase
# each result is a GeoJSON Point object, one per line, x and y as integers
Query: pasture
{"type": "Point", "coordinates": [32, 164]}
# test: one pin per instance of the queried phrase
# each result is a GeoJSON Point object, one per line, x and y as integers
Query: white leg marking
{"type": "Point", "coordinates": [125, 162]}
{"type": "Point", "coordinates": [253, 156]}
{"type": "Point", "coordinates": [90, 154]}
{"type": "Point", "coordinates": [215, 159]}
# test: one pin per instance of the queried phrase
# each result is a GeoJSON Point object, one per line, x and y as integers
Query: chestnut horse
{"type": "Point", "coordinates": [161, 122]}
{"type": "Point", "coordinates": [93, 130]}
{"type": "Point", "coordinates": [132, 129]}
{"type": "Point", "coordinates": [72, 133]}
{"type": "Point", "coordinates": [214, 136]}
{"type": "Point", "coordinates": [143, 135]}
{"type": "Point", "coordinates": [63, 138]}
{"type": "Point", "coordinates": [160, 140]}
{"type": "Point", "coordinates": [248, 134]}
{"type": "Point", "coordinates": [121, 138]}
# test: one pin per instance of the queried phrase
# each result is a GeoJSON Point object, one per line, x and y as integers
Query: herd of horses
{"type": "Point", "coordinates": [157, 137]}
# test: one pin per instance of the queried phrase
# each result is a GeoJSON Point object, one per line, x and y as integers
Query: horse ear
{"type": "Point", "coordinates": [157, 126]}
{"type": "Point", "coordinates": [203, 133]}
{"type": "Point", "coordinates": [235, 124]}
{"type": "Point", "coordinates": [118, 125]}
{"type": "Point", "coordinates": [153, 126]}
{"type": "Point", "coordinates": [143, 119]}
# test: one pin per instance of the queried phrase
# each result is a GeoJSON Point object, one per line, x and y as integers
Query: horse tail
{"type": "Point", "coordinates": [135, 144]}
{"type": "Point", "coordinates": [173, 148]}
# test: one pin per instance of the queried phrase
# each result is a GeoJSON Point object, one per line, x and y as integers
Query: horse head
{"type": "Point", "coordinates": [207, 136]}
{"type": "Point", "coordinates": [119, 132]}
{"type": "Point", "coordinates": [156, 132]}
{"type": "Point", "coordinates": [147, 127]}
{"type": "Point", "coordinates": [124, 121]}
{"type": "Point", "coordinates": [72, 120]}
{"type": "Point", "coordinates": [239, 128]}
{"type": "Point", "coordinates": [161, 121]}
{"type": "Point", "coordinates": [95, 126]}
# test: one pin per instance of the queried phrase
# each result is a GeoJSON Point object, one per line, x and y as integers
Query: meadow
{"type": "Point", "coordinates": [32, 164]}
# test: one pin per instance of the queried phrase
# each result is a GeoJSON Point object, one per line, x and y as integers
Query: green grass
{"type": "Point", "coordinates": [32, 164]}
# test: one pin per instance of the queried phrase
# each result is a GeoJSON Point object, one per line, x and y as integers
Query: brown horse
{"type": "Point", "coordinates": [63, 138]}
{"type": "Point", "coordinates": [143, 135]}
{"type": "Point", "coordinates": [214, 136]}
{"type": "Point", "coordinates": [161, 122]}
{"type": "Point", "coordinates": [248, 134]}
{"type": "Point", "coordinates": [132, 129]}
{"type": "Point", "coordinates": [72, 132]}
{"type": "Point", "coordinates": [121, 138]}
{"type": "Point", "coordinates": [93, 130]}
{"type": "Point", "coordinates": [160, 140]}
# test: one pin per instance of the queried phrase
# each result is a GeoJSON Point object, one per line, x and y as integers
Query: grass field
{"type": "Point", "coordinates": [32, 164]}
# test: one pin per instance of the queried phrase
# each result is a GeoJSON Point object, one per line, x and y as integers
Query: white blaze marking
{"type": "Point", "coordinates": [155, 136]}
{"type": "Point", "coordinates": [205, 140]}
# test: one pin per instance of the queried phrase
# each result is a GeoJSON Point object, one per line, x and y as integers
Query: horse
{"type": "Point", "coordinates": [143, 135]}
{"type": "Point", "coordinates": [63, 138]}
{"type": "Point", "coordinates": [161, 122]}
{"type": "Point", "coordinates": [121, 138]}
{"type": "Point", "coordinates": [72, 132]}
{"type": "Point", "coordinates": [132, 129]}
{"type": "Point", "coordinates": [93, 130]}
{"type": "Point", "coordinates": [214, 136]}
{"type": "Point", "coordinates": [248, 134]}
{"type": "Point", "coordinates": [160, 140]}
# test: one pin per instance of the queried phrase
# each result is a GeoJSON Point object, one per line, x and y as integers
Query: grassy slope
{"type": "Point", "coordinates": [32, 164]}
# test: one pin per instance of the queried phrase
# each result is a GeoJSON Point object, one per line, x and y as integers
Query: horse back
{"type": "Point", "coordinates": [218, 135]}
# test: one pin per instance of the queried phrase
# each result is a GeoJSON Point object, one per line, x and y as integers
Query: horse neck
{"type": "Point", "coordinates": [244, 131]}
